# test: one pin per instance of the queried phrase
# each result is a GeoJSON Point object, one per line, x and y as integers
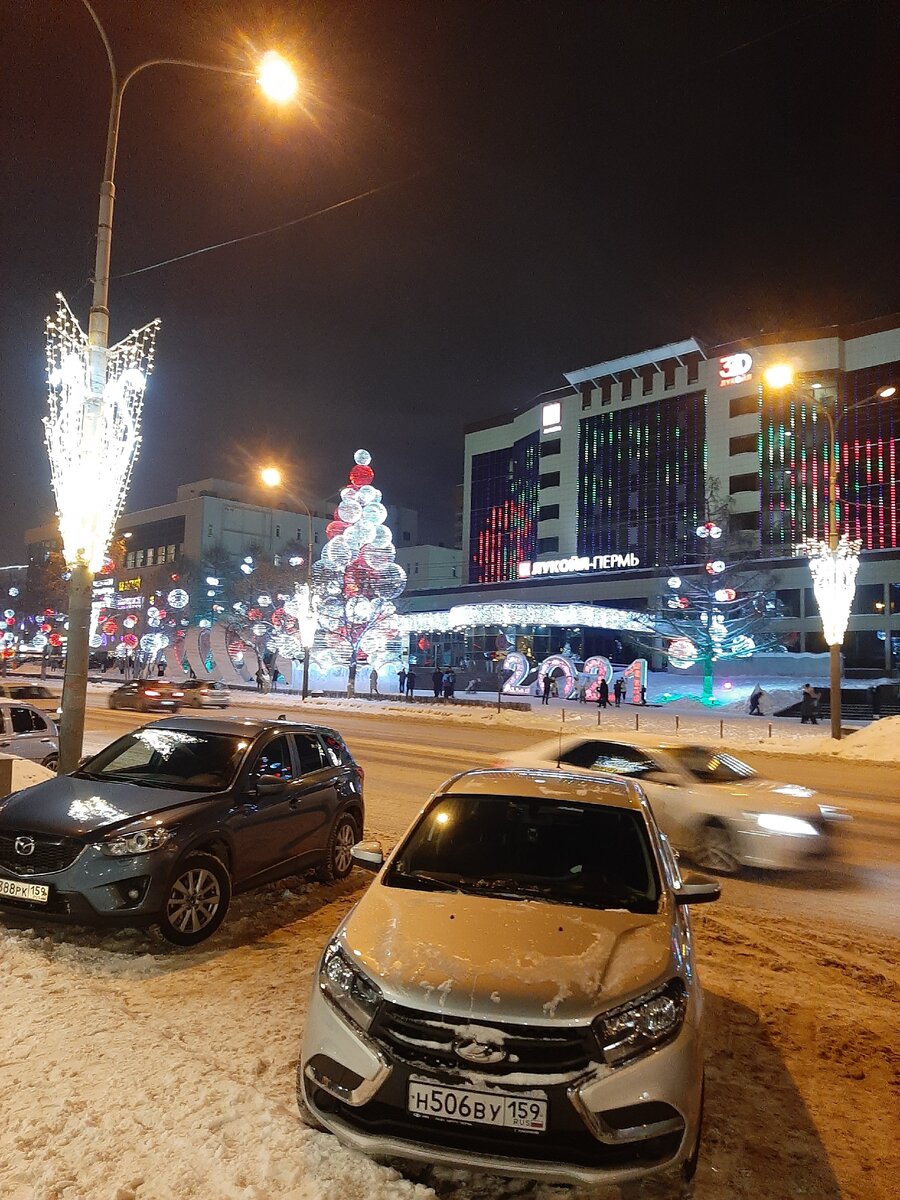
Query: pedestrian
{"type": "Point", "coordinates": [258, 677]}
{"type": "Point", "coordinates": [410, 682]}
{"type": "Point", "coordinates": [582, 682]}
{"type": "Point", "coordinates": [644, 694]}
{"type": "Point", "coordinates": [373, 683]}
{"type": "Point", "coordinates": [445, 685]}
{"type": "Point", "coordinates": [875, 697]}
{"type": "Point", "coordinates": [452, 682]}
{"type": "Point", "coordinates": [547, 684]}
{"type": "Point", "coordinates": [401, 679]}
{"type": "Point", "coordinates": [603, 693]}
{"type": "Point", "coordinates": [619, 691]}
{"type": "Point", "coordinates": [755, 697]}
{"type": "Point", "coordinates": [809, 705]}
{"type": "Point", "coordinates": [161, 668]}
{"type": "Point", "coordinates": [437, 676]}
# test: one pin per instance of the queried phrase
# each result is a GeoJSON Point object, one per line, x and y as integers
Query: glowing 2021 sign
{"type": "Point", "coordinates": [734, 368]}
{"type": "Point", "coordinates": [560, 667]}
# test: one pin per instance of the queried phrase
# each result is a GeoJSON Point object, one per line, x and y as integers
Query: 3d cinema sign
{"type": "Point", "coordinates": [577, 564]}
{"type": "Point", "coordinates": [735, 368]}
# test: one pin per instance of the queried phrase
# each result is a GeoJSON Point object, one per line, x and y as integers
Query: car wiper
{"type": "Point", "coordinates": [429, 882]}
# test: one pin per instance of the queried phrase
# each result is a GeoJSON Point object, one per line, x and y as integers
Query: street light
{"type": "Point", "coordinates": [272, 478]}
{"type": "Point", "coordinates": [95, 402]}
{"type": "Point", "coordinates": [833, 564]}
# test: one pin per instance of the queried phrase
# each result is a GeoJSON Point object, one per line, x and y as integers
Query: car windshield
{"type": "Point", "coordinates": [710, 766]}
{"type": "Point", "coordinates": [522, 848]}
{"type": "Point", "coordinates": [172, 758]}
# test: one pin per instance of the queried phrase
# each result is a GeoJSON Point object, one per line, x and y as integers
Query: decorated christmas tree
{"type": "Point", "coordinates": [355, 582]}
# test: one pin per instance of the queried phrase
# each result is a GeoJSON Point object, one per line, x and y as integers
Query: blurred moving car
{"type": "Point", "coordinates": [516, 991]}
{"type": "Point", "coordinates": [29, 733]}
{"type": "Point", "coordinates": [205, 693]}
{"type": "Point", "coordinates": [34, 694]}
{"type": "Point", "coordinates": [710, 804]}
{"type": "Point", "coordinates": [165, 824]}
{"type": "Point", "coordinates": [148, 695]}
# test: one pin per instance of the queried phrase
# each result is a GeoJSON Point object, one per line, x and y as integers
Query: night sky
{"type": "Point", "coordinates": [572, 182]}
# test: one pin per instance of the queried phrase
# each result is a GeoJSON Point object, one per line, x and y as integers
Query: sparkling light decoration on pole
{"type": "Point", "coordinates": [92, 439]}
{"type": "Point", "coordinates": [356, 581]}
{"type": "Point", "coordinates": [834, 583]}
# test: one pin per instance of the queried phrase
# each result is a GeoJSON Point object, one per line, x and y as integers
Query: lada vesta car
{"type": "Point", "coordinates": [516, 991]}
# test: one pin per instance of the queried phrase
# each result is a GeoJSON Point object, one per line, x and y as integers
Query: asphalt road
{"type": "Point", "coordinates": [405, 759]}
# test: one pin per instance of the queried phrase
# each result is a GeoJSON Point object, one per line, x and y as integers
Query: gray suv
{"type": "Point", "coordinates": [516, 991]}
{"type": "Point", "coordinates": [166, 823]}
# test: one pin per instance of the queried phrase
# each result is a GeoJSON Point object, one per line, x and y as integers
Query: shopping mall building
{"type": "Point", "coordinates": [592, 494]}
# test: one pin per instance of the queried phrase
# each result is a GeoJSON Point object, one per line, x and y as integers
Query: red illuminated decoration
{"type": "Point", "coordinates": [110, 627]}
{"type": "Point", "coordinates": [361, 474]}
{"type": "Point", "coordinates": [507, 535]}
{"type": "Point", "coordinates": [333, 528]}
{"type": "Point", "coordinates": [55, 639]}
{"type": "Point", "coordinates": [45, 628]}
{"type": "Point", "coordinates": [424, 643]}
{"type": "Point", "coordinates": [129, 640]}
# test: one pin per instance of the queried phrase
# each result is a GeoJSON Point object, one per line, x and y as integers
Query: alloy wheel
{"type": "Point", "coordinates": [193, 900]}
{"type": "Point", "coordinates": [344, 841]}
{"type": "Point", "coordinates": [715, 851]}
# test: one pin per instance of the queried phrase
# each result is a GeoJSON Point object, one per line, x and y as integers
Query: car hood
{"type": "Point", "coordinates": [766, 795]}
{"type": "Point", "coordinates": [525, 960]}
{"type": "Point", "coordinates": [71, 807]}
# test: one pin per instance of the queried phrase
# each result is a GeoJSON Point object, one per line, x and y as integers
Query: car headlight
{"type": "Point", "coordinates": [642, 1024]}
{"type": "Point", "coordinates": [351, 990]}
{"type": "Point", "coordinates": [142, 841]}
{"type": "Point", "coordinates": [780, 823]}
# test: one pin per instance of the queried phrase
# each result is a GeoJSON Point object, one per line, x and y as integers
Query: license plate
{"type": "Point", "coordinates": [38, 893]}
{"type": "Point", "coordinates": [525, 1113]}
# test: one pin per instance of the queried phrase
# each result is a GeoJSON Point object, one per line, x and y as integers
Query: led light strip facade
{"type": "Point", "coordinates": [504, 514]}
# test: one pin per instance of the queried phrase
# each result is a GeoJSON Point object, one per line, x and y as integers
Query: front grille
{"type": "Point", "coordinates": [427, 1040]}
{"type": "Point", "coordinates": [50, 854]}
{"type": "Point", "coordinates": [571, 1146]}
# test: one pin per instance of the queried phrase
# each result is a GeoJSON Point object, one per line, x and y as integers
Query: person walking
{"type": "Point", "coordinates": [603, 694]}
{"type": "Point", "coordinates": [452, 683]}
{"type": "Point", "coordinates": [410, 682]}
{"type": "Point", "coordinates": [755, 697]}
{"type": "Point", "coordinates": [436, 677]}
{"type": "Point", "coordinates": [809, 704]}
{"type": "Point", "coordinates": [546, 685]}
{"type": "Point", "coordinates": [373, 683]}
{"type": "Point", "coordinates": [875, 698]}
{"type": "Point", "coordinates": [618, 691]}
{"type": "Point", "coordinates": [401, 679]}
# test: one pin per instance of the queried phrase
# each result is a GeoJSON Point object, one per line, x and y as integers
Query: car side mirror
{"type": "Point", "coordinates": [368, 855]}
{"type": "Point", "coordinates": [697, 889]}
{"type": "Point", "coordinates": [269, 785]}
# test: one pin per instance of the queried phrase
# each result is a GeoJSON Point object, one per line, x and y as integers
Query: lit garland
{"type": "Point", "coordinates": [467, 616]}
{"type": "Point", "coordinates": [92, 439]}
{"type": "Point", "coordinates": [834, 583]}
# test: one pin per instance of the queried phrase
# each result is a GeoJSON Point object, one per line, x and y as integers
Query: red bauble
{"type": "Point", "coordinates": [424, 643]}
{"type": "Point", "coordinates": [45, 628]}
{"type": "Point", "coordinates": [10, 621]}
{"type": "Point", "coordinates": [333, 528]}
{"type": "Point", "coordinates": [48, 612]}
{"type": "Point", "coordinates": [359, 475]}
{"type": "Point", "coordinates": [55, 639]}
{"type": "Point", "coordinates": [110, 627]}
{"type": "Point", "coordinates": [255, 614]}
{"type": "Point", "coordinates": [129, 640]}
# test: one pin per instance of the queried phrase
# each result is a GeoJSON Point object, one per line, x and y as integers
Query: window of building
{"type": "Point", "coordinates": [278, 531]}
{"type": "Point", "coordinates": [151, 555]}
{"type": "Point", "coordinates": [548, 545]}
{"type": "Point", "coordinates": [647, 374]}
{"type": "Point", "coordinates": [626, 386]}
{"type": "Point", "coordinates": [170, 553]}
{"type": "Point", "coordinates": [739, 405]}
{"type": "Point", "coordinates": [868, 600]}
{"type": "Point", "coordinates": [788, 602]}
{"type": "Point", "coordinates": [138, 558]}
{"type": "Point", "coordinates": [549, 479]}
{"type": "Point", "coordinates": [742, 522]}
{"type": "Point", "coordinates": [586, 395]}
{"type": "Point", "coordinates": [552, 447]}
{"type": "Point", "coordinates": [129, 560]}
{"type": "Point", "coordinates": [548, 512]}
{"type": "Point", "coordinates": [747, 443]}
{"type": "Point", "coordinates": [748, 482]}
{"type": "Point", "coordinates": [669, 373]}
{"type": "Point", "coordinates": [209, 531]}
{"type": "Point", "coordinates": [606, 389]}
{"type": "Point", "coordinates": [406, 536]}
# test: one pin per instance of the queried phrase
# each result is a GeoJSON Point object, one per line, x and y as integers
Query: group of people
{"type": "Point", "coordinates": [549, 688]}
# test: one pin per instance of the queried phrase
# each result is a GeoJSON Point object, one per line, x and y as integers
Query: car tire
{"type": "Point", "coordinates": [112, 702]}
{"type": "Point", "coordinates": [689, 1166]}
{"type": "Point", "coordinates": [196, 900]}
{"type": "Point", "coordinates": [306, 1113]}
{"type": "Point", "coordinates": [715, 849]}
{"type": "Point", "coordinates": [338, 863]}
{"type": "Point", "coordinates": [51, 762]}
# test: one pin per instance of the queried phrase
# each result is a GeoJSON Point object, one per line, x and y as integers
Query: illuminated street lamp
{"type": "Point", "coordinates": [96, 393]}
{"type": "Point", "coordinates": [272, 478]}
{"type": "Point", "coordinates": [834, 563]}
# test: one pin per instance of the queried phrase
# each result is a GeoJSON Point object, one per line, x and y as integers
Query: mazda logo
{"type": "Point", "coordinates": [478, 1052]}
{"type": "Point", "coordinates": [24, 846]}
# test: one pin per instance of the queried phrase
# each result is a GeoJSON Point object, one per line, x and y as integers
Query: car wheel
{"type": "Point", "coordinates": [113, 702]}
{"type": "Point", "coordinates": [339, 861]}
{"type": "Point", "coordinates": [51, 762]}
{"type": "Point", "coordinates": [196, 900]}
{"type": "Point", "coordinates": [306, 1114]}
{"type": "Point", "coordinates": [715, 850]}
{"type": "Point", "coordinates": [689, 1166]}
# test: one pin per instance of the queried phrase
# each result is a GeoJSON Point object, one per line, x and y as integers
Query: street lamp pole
{"type": "Point", "coordinates": [272, 478]}
{"type": "Point", "coordinates": [71, 726]}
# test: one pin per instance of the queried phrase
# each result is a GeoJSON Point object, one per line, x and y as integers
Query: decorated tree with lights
{"type": "Point", "coordinates": [718, 613]}
{"type": "Point", "coordinates": [356, 581]}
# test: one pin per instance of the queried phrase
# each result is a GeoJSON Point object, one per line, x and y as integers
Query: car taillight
{"type": "Point", "coordinates": [361, 773]}
{"type": "Point", "coordinates": [178, 694]}
{"type": "Point", "coordinates": [150, 692]}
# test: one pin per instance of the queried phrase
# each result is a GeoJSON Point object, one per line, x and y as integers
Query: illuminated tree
{"type": "Point", "coordinates": [356, 580]}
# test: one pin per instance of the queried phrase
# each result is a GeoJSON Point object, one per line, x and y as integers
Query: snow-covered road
{"type": "Point", "coordinates": [134, 1072]}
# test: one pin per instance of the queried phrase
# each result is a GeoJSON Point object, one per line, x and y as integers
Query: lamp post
{"type": "Point", "coordinates": [271, 477]}
{"type": "Point", "coordinates": [95, 401]}
{"type": "Point", "coordinates": [834, 564]}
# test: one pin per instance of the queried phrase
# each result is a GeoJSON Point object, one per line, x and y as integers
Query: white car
{"type": "Point", "coordinates": [709, 804]}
